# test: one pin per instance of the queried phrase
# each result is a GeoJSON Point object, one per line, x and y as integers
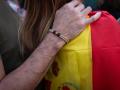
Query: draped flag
{"type": "Point", "coordinates": [91, 61]}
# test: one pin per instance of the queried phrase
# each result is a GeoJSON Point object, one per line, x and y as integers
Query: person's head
{"type": "Point", "coordinates": [39, 19]}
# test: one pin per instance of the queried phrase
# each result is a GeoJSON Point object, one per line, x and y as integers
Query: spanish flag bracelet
{"type": "Point", "coordinates": [59, 35]}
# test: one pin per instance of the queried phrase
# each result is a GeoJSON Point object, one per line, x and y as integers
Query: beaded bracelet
{"type": "Point", "coordinates": [59, 35]}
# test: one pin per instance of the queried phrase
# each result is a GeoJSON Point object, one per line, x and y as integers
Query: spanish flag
{"type": "Point", "coordinates": [91, 61]}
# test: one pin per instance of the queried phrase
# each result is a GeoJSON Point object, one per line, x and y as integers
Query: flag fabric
{"type": "Point", "coordinates": [106, 53]}
{"type": "Point", "coordinates": [90, 61]}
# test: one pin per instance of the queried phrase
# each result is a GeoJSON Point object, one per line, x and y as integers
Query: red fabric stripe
{"type": "Point", "coordinates": [106, 53]}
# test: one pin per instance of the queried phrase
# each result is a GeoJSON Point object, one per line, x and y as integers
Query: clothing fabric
{"type": "Point", "coordinates": [9, 46]}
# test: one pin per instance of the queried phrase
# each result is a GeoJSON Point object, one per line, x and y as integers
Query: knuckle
{"type": "Point", "coordinates": [82, 5]}
{"type": "Point", "coordinates": [69, 9]}
{"type": "Point", "coordinates": [89, 8]}
{"type": "Point", "coordinates": [67, 6]}
{"type": "Point", "coordinates": [57, 12]}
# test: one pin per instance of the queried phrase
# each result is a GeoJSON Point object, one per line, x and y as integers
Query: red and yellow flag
{"type": "Point", "coordinates": [90, 61]}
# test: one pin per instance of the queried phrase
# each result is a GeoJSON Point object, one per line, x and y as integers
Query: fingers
{"type": "Point", "coordinates": [80, 7]}
{"type": "Point", "coordinates": [86, 11]}
{"type": "Point", "coordinates": [74, 3]}
{"type": "Point", "coordinates": [93, 18]}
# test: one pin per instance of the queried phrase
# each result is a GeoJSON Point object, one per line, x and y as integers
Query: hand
{"type": "Point", "coordinates": [71, 19]}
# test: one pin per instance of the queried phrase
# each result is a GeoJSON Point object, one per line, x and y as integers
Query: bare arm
{"type": "Point", "coordinates": [32, 71]}
{"type": "Point", "coordinates": [69, 21]}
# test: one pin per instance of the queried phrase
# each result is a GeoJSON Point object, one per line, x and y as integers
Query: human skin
{"type": "Point", "coordinates": [31, 72]}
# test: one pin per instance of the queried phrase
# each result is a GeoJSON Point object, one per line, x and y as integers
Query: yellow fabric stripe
{"type": "Point", "coordinates": [73, 65]}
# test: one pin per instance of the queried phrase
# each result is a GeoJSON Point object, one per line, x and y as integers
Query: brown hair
{"type": "Point", "coordinates": [39, 19]}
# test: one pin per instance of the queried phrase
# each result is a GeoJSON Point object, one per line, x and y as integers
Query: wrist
{"type": "Point", "coordinates": [58, 34]}
{"type": "Point", "coordinates": [54, 40]}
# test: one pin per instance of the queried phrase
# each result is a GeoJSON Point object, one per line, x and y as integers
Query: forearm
{"type": "Point", "coordinates": [28, 75]}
